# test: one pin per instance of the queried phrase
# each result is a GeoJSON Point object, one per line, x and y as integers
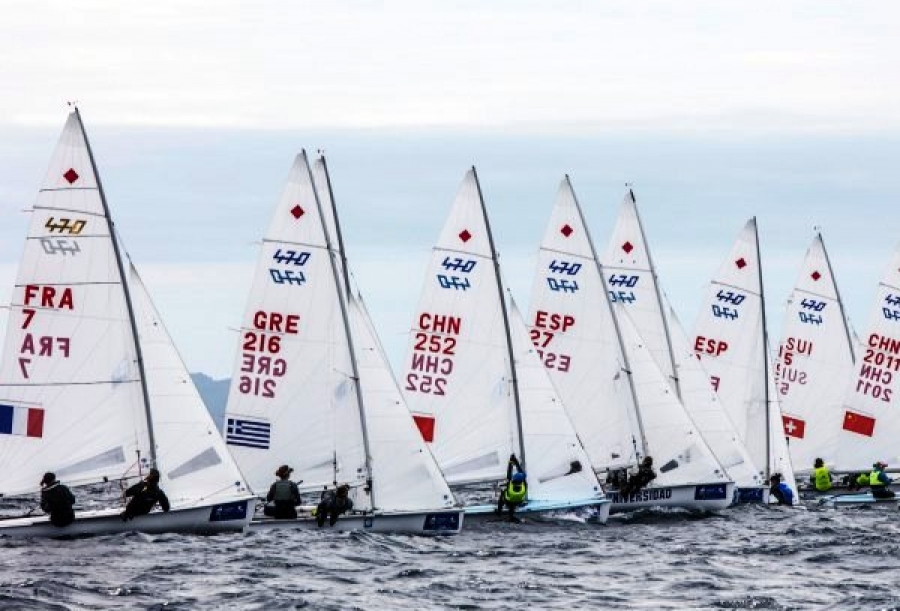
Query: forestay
{"type": "Point", "coordinates": [815, 362]}
{"type": "Point", "coordinates": [870, 424]}
{"type": "Point", "coordinates": [70, 398]}
{"type": "Point", "coordinates": [293, 399]}
{"type": "Point", "coordinates": [457, 381]}
{"type": "Point", "coordinates": [573, 331]}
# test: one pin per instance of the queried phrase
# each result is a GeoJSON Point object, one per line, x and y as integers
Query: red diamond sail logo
{"type": "Point", "coordinates": [627, 247]}
{"type": "Point", "coordinates": [815, 276]}
{"type": "Point", "coordinates": [741, 264]}
{"type": "Point", "coordinates": [297, 212]}
{"type": "Point", "coordinates": [464, 235]}
{"type": "Point", "coordinates": [566, 230]}
{"type": "Point", "coordinates": [71, 175]}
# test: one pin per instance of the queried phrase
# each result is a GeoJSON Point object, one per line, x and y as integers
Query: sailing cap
{"type": "Point", "coordinates": [283, 470]}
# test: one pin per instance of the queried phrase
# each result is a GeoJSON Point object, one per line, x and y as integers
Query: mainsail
{"type": "Point", "coordinates": [815, 362]}
{"type": "Point", "coordinates": [730, 339]}
{"type": "Point", "coordinates": [870, 420]}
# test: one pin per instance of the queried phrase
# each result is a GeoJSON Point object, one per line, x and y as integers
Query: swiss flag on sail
{"type": "Point", "coordinates": [793, 427]}
{"type": "Point", "coordinates": [426, 426]}
{"type": "Point", "coordinates": [859, 423]}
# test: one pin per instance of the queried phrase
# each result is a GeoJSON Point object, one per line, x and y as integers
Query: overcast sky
{"type": "Point", "coordinates": [788, 110]}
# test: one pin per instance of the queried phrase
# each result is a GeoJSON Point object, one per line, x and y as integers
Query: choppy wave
{"type": "Point", "coordinates": [745, 558]}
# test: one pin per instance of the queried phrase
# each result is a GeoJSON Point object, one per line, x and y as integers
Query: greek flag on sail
{"type": "Point", "coordinates": [247, 433]}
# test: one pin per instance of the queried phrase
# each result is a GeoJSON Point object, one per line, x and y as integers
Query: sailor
{"type": "Point", "coordinates": [857, 481]}
{"type": "Point", "coordinates": [821, 477]}
{"type": "Point", "coordinates": [57, 500]}
{"type": "Point", "coordinates": [515, 492]}
{"type": "Point", "coordinates": [284, 496]}
{"type": "Point", "coordinates": [641, 479]}
{"type": "Point", "coordinates": [144, 496]}
{"type": "Point", "coordinates": [879, 481]}
{"type": "Point", "coordinates": [781, 491]}
{"type": "Point", "coordinates": [333, 504]}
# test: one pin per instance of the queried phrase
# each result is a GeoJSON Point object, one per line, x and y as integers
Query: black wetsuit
{"type": "Point", "coordinates": [57, 500]}
{"type": "Point", "coordinates": [144, 496]}
{"type": "Point", "coordinates": [285, 496]}
{"type": "Point", "coordinates": [639, 480]}
{"type": "Point", "coordinates": [331, 506]}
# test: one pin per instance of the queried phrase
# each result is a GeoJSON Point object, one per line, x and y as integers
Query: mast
{"type": "Point", "coordinates": [625, 362]}
{"type": "Point", "coordinates": [765, 347]}
{"type": "Point", "coordinates": [337, 227]}
{"type": "Point", "coordinates": [134, 331]}
{"type": "Point", "coordinates": [509, 348]}
{"type": "Point", "coordinates": [839, 300]}
{"type": "Point", "coordinates": [345, 317]}
{"type": "Point", "coordinates": [659, 300]}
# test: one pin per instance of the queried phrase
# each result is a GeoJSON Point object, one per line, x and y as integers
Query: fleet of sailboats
{"type": "Point", "coordinates": [600, 377]}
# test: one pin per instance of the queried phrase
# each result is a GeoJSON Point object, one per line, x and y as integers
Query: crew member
{"type": "Point", "coordinates": [57, 500]}
{"type": "Point", "coordinates": [144, 496]}
{"type": "Point", "coordinates": [879, 482]}
{"type": "Point", "coordinates": [333, 504]}
{"type": "Point", "coordinates": [284, 496]}
{"type": "Point", "coordinates": [515, 491]}
{"type": "Point", "coordinates": [821, 477]}
{"type": "Point", "coordinates": [781, 491]}
{"type": "Point", "coordinates": [645, 474]}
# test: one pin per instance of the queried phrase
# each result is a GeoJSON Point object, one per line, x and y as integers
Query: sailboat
{"type": "Point", "coordinates": [731, 340]}
{"type": "Point", "coordinates": [632, 282]}
{"type": "Point", "coordinates": [475, 384]}
{"type": "Point", "coordinates": [869, 422]}
{"type": "Point", "coordinates": [312, 387]}
{"type": "Point", "coordinates": [815, 361]}
{"type": "Point", "coordinates": [91, 386]}
{"type": "Point", "coordinates": [621, 403]}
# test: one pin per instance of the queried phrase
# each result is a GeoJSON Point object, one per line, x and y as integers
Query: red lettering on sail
{"type": "Point", "coordinates": [708, 345]}
{"type": "Point", "coordinates": [49, 297]}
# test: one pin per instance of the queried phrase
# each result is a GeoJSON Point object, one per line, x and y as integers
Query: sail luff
{"type": "Point", "coordinates": [509, 346]}
{"type": "Point", "coordinates": [618, 330]}
{"type": "Point", "coordinates": [765, 353]}
{"type": "Point", "coordinates": [659, 299]}
{"type": "Point", "coordinates": [346, 320]}
{"type": "Point", "coordinates": [840, 301]}
{"type": "Point", "coordinates": [128, 301]}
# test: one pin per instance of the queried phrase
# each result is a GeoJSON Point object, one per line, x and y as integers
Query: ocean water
{"type": "Point", "coordinates": [749, 557]}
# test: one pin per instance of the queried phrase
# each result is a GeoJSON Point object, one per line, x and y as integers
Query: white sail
{"type": "Point", "coordinates": [194, 464]}
{"type": "Point", "coordinates": [730, 340]}
{"type": "Point", "coordinates": [457, 380]}
{"type": "Point", "coordinates": [680, 454]}
{"type": "Point", "coordinates": [70, 390]}
{"type": "Point", "coordinates": [293, 399]}
{"type": "Point", "coordinates": [815, 362]}
{"type": "Point", "coordinates": [870, 422]}
{"type": "Point", "coordinates": [708, 413]}
{"type": "Point", "coordinates": [632, 283]}
{"type": "Point", "coordinates": [405, 475]}
{"type": "Point", "coordinates": [574, 334]}
{"type": "Point", "coordinates": [558, 466]}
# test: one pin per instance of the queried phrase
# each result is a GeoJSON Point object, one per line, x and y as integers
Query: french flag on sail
{"type": "Point", "coordinates": [23, 421]}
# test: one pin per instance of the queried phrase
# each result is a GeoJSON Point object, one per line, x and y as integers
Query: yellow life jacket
{"type": "Point", "coordinates": [515, 493]}
{"type": "Point", "coordinates": [862, 479]}
{"type": "Point", "coordinates": [823, 479]}
{"type": "Point", "coordinates": [874, 480]}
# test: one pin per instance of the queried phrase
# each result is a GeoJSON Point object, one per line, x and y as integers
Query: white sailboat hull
{"type": "Point", "coordinates": [695, 497]}
{"type": "Point", "coordinates": [438, 522]}
{"type": "Point", "coordinates": [487, 513]}
{"type": "Point", "coordinates": [232, 516]}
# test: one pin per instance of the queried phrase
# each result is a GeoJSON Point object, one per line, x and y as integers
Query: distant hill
{"type": "Point", "coordinates": [214, 394]}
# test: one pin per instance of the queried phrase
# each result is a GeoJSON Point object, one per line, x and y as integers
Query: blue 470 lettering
{"type": "Point", "coordinates": [456, 264]}
{"type": "Point", "coordinates": [731, 297]}
{"type": "Point", "coordinates": [724, 312]}
{"type": "Point", "coordinates": [288, 257]}
{"type": "Point", "coordinates": [889, 312]}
